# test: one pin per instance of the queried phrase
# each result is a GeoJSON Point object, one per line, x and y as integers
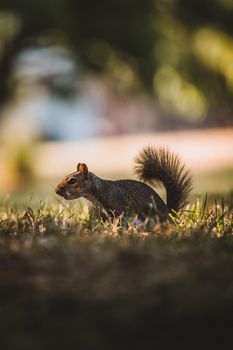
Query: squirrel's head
{"type": "Point", "coordinates": [74, 185]}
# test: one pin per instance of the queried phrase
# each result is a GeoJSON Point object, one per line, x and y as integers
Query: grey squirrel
{"type": "Point", "coordinates": [113, 198]}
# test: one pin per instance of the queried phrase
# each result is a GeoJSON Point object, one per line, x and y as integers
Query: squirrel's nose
{"type": "Point", "coordinates": [59, 190]}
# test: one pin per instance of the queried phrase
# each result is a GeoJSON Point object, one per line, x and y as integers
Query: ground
{"type": "Point", "coordinates": [67, 281]}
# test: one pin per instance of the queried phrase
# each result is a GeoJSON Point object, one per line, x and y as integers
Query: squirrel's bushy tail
{"type": "Point", "coordinates": [160, 165]}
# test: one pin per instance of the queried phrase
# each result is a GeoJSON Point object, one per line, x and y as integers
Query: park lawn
{"type": "Point", "coordinates": [69, 281]}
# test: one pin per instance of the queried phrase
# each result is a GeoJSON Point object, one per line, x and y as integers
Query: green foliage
{"type": "Point", "coordinates": [147, 45]}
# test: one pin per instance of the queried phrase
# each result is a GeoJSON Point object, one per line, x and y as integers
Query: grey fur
{"type": "Point", "coordinates": [112, 198]}
{"type": "Point", "coordinates": [162, 166]}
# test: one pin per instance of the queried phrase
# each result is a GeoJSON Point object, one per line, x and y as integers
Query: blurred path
{"type": "Point", "coordinates": [202, 150]}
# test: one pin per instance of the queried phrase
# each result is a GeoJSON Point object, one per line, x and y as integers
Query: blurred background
{"type": "Point", "coordinates": [96, 81]}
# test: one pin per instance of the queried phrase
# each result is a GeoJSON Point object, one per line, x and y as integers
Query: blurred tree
{"type": "Point", "coordinates": [94, 31]}
{"type": "Point", "coordinates": [151, 43]}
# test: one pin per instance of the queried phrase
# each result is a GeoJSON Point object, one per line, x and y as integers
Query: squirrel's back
{"type": "Point", "coordinates": [160, 165]}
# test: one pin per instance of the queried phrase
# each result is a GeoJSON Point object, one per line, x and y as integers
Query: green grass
{"type": "Point", "coordinates": [71, 281]}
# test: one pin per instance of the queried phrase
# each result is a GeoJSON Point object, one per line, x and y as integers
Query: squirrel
{"type": "Point", "coordinates": [113, 198]}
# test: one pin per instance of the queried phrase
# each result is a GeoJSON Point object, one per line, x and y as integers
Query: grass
{"type": "Point", "coordinates": [71, 281]}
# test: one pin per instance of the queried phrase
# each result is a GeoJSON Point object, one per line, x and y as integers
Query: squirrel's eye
{"type": "Point", "coordinates": [72, 181]}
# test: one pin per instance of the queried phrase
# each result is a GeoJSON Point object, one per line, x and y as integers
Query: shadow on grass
{"type": "Point", "coordinates": [68, 282]}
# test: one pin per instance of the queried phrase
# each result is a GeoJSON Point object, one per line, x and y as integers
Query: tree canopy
{"type": "Point", "coordinates": [168, 48]}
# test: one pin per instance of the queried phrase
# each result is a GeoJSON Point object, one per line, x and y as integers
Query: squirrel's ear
{"type": "Point", "coordinates": [82, 168]}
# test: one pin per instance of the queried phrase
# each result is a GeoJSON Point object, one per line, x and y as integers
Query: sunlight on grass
{"type": "Point", "coordinates": [214, 220]}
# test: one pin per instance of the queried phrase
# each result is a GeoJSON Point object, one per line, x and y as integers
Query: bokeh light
{"type": "Point", "coordinates": [79, 80]}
